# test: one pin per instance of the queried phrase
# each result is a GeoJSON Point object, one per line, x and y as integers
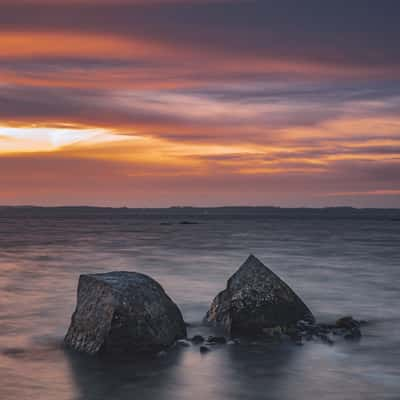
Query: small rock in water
{"type": "Point", "coordinates": [353, 334]}
{"type": "Point", "coordinates": [292, 332]}
{"type": "Point", "coordinates": [347, 323]}
{"type": "Point", "coordinates": [216, 340]}
{"type": "Point", "coordinates": [304, 324]}
{"type": "Point", "coordinates": [326, 328]}
{"type": "Point", "coordinates": [197, 339]}
{"type": "Point", "coordinates": [183, 343]}
{"type": "Point", "coordinates": [347, 327]}
{"type": "Point", "coordinates": [273, 333]}
{"type": "Point", "coordinates": [325, 338]}
{"type": "Point", "coordinates": [204, 349]}
{"type": "Point", "coordinates": [308, 337]}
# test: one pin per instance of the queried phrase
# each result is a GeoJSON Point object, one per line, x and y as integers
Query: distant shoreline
{"type": "Point", "coordinates": [197, 208]}
{"type": "Point", "coordinates": [192, 215]}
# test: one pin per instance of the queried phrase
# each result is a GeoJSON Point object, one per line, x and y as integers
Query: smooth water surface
{"type": "Point", "coordinates": [344, 262]}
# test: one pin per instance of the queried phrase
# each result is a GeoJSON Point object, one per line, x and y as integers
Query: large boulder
{"type": "Point", "coordinates": [123, 312]}
{"type": "Point", "coordinates": [255, 301]}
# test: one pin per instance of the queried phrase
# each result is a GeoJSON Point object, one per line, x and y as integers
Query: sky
{"type": "Point", "coordinates": [155, 103]}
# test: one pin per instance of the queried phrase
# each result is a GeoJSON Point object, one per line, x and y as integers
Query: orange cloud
{"type": "Point", "coordinates": [178, 103]}
{"type": "Point", "coordinates": [14, 45]}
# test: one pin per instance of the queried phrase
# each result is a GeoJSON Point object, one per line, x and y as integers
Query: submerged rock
{"type": "Point", "coordinates": [183, 343]}
{"type": "Point", "coordinates": [325, 338]}
{"type": "Point", "coordinates": [123, 311]}
{"type": "Point", "coordinates": [216, 340]}
{"type": "Point", "coordinates": [346, 327]}
{"type": "Point", "coordinates": [256, 299]}
{"type": "Point", "coordinates": [197, 339]}
{"type": "Point", "coordinates": [204, 349]}
{"type": "Point", "coordinates": [273, 333]}
{"type": "Point", "coordinates": [353, 334]}
{"type": "Point", "coordinates": [347, 322]}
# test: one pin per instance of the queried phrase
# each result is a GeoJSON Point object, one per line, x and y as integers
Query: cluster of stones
{"type": "Point", "coordinates": [346, 327]}
{"type": "Point", "coordinates": [205, 344]}
{"type": "Point", "coordinates": [130, 312]}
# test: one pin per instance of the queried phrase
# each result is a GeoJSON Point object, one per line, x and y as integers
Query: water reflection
{"type": "Point", "coordinates": [35, 372]}
{"type": "Point", "coordinates": [98, 378]}
{"type": "Point", "coordinates": [227, 372]}
{"type": "Point", "coordinates": [337, 266]}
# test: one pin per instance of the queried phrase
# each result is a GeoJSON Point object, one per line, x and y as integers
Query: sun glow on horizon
{"type": "Point", "coordinates": [33, 139]}
{"type": "Point", "coordinates": [162, 102]}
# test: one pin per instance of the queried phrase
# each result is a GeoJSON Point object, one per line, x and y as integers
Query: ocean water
{"type": "Point", "coordinates": [340, 261]}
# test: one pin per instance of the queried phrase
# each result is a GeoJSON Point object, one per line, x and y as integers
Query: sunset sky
{"type": "Point", "coordinates": [148, 103]}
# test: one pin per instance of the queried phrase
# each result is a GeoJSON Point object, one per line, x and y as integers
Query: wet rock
{"type": "Point", "coordinates": [347, 323]}
{"type": "Point", "coordinates": [123, 312]}
{"type": "Point", "coordinates": [326, 328]}
{"type": "Point", "coordinates": [183, 343]}
{"type": "Point", "coordinates": [291, 331]}
{"type": "Point", "coordinates": [346, 327]}
{"type": "Point", "coordinates": [305, 325]}
{"type": "Point", "coordinates": [353, 334]}
{"type": "Point", "coordinates": [197, 339]}
{"type": "Point", "coordinates": [273, 333]}
{"type": "Point", "coordinates": [325, 338]}
{"type": "Point", "coordinates": [255, 299]}
{"type": "Point", "coordinates": [216, 340]}
{"type": "Point", "coordinates": [204, 349]}
{"type": "Point", "coordinates": [294, 335]}
{"type": "Point", "coordinates": [308, 337]}
{"type": "Point", "coordinates": [276, 330]}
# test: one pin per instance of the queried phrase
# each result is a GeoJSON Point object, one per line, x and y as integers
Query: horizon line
{"type": "Point", "coordinates": [216, 207]}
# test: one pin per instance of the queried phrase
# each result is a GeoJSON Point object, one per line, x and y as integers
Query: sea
{"type": "Point", "coordinates": [340, 261]}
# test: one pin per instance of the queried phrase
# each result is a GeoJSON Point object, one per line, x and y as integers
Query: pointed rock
{"type": "Point", "coordinates": [123, 312]}
{"type": "Point", "coordinates": [256, 299]}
